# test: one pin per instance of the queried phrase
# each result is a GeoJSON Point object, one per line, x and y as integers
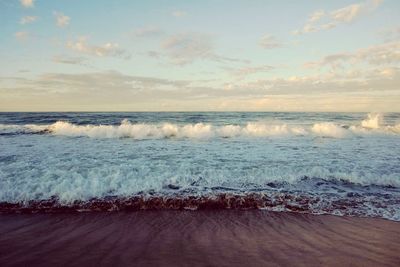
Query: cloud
{"type": "Point", "coordinates": [178, 13]}
{"type": "Point", "coordinates": [105, 50]}
{"type": "Point", "coordinates": [322, 20]}
{"type": "Point", "coordinates": [186, 48]}
{"type": "Point", "coordinates": [375, 81]}
{"type": "Point", "coordinates": [389, 35]}
{"type": "Point", "coordinates": [21, 36]}
{"type": "Point", "coordinates": [241, 73]}
{"type": "Point", "coordinates": [27, 3]}
{"type": "Point", "coordinates": [69, 60]}
{"type": "Point", "coordinates": [269, 42]}
{"type": "Point", "coordinates": [354, 91]}
{"type": "Point", "coordinates": [28, 20]}
{"type": "Point", "coordinates": [61, 19]}
{"type": "Point", "coordinates": [316, 16]}
{"type": "Point", "coordinates": [324, 102]}
{"type": "Point", "coordinates": [183, 49]}
{"type": "Point", "coordinates": [153, 54]}
{"type": "Point", "coordinates": [347, 14]}
{"type": "Point", "coordinates": [116, 78]}
{"type": "Point", "coordinates": [148, 31]}
{"type": "Point", "coordinates": [109, 83]}
{"type": "Point", "coordinates": [383, 54]}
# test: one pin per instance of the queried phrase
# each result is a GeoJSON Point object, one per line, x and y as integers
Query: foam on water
{"type": "Point", "coordinates": [329, 129]}
{"type": "Point", "coordinates": [335, 166]}
{"type": "Point", "coordinates": [126, 129]}
{"type": "Point", "coordinates": [373, 121]}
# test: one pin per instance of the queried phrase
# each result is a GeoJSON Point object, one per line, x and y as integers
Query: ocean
{"type": "Point", "coordinates": [345, 164]}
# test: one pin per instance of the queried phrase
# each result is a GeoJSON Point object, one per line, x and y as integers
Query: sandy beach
{"type": "Point", "coordinates": [199, 238]}
{"type": "Point", "coordinates": [199, 133]}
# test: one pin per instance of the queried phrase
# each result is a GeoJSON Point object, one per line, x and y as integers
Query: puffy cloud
{"type": "Point", "coordinates": [27, 3]}
{"type": "Point", "coordinates": [61, 19]}
{"type": "Point", "coordinates": [22, 35]}
{"type": "Point", "coordinates": [388, 53]}
{"type": "Point", "coordinates": [322, 20]}
{"type": "Point", "coordinates": [28, 20]}
{"type": "Point", "coordinates": [269, 42]}
{"type": "Point", "coordinates": [347, 14]}
{"type": "Point", "coordinates": [105, 50]}
{"type": "Point", "coordinates": [383, 54]}
{"type": "Point", "coordinates": [186, 48]}
{"type": "Point", "coordinates": [316, 16]}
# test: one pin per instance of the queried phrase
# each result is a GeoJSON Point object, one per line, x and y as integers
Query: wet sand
{"type": "Point", "coordinates": [196, 238]}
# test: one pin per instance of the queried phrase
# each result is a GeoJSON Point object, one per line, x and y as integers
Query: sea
{"type": "Point", "coordinates": [345, 164]}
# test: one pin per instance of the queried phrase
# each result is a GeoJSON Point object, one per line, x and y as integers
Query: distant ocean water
{"type": "Point", "coordinates": [319, 163]}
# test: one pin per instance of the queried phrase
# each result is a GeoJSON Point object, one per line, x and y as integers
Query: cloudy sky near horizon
{"type": "Point", "coordinates": [71, 55]}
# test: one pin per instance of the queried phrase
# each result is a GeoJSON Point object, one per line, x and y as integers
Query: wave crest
{"type": "Point", "coordinates": [352, 205]}
{"type": "Point", "coordinates": [371, 125]}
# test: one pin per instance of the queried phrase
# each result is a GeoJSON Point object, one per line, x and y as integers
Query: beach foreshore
{"type": "Point", "coordinates": [196, 238]}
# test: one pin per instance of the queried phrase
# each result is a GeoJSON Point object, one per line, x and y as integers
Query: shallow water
{"type": "Point", "coordinates": [320, 163]}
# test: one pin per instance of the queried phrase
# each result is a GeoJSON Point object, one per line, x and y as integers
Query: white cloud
{"type": "Point", "coordinates": [178, 13]}
{"type": "Point", "coordinates": [27, 3]}
{"type": "Point", "coordinates": [316, 16]}
{"type": "Point", "coordinates": [185, 48]}
{"type": "Point", "coordinates": [269, 42]}
{"type": "Point", "coordinates": [354, 91]}
{"type": "Point", "coordinates": [375, 81]}
{"type": "Point", "coordinates": [105, 50]}
{"type": "Point", "coordinates": [22, 35]}
{"type": "Point", "coordinates": [61, 19]}
{"type": "Point", "coordinates": [383, 54]}
{"type": "Point", "coordinates": [148, 31]}
{"type": "Point", "coordinates": [28, 20]}
{"type": "Point", "coordinates": [68, 60]}
{"type": "Point", "coordinates": [347, 14]}
{"type": "Point", "coordinates": [322, 20]}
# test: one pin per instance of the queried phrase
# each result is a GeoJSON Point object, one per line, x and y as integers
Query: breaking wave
{"type": "Point", "coordinates": [325, 164]}
{"type": "Point", "coordinates": [351, 204]}
{"type": "Point", "coordinates": [126, 129]}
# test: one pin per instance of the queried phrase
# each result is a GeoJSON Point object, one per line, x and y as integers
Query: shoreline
{"type": "Point", "coordinates": [197, 238]}
{"type": "Point", "coordinates": [272, 202]}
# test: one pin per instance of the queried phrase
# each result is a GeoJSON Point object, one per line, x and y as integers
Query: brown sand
{"type": "Point", "coordinates": [198, 238]}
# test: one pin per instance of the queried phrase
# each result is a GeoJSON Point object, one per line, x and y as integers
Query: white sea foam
{"type": "Point", "coordinates": [325, 159]}
{"type": "Point", "coordinates": [329, 129]}
{"type": "Point", "coordinates": [371, 125]}
{"type": "Point", "coordinates": [168, 130]}
{"type": "Point", "coordinates": [126, 129]}
{"type": "Point", "coordinates": [373, 121]}
{"type": "Point", "coordinates": [71, 183]}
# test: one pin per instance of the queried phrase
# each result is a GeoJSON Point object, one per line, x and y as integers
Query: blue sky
{"type": "Point", "coordinates": [70, 55]}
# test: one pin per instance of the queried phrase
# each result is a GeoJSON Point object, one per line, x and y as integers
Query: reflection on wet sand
{"type": "Point", "coordinates": [200, 238]}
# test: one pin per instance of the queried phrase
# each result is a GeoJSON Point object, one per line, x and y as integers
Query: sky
{"type": "Point", "coordinates": [209, 55]}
